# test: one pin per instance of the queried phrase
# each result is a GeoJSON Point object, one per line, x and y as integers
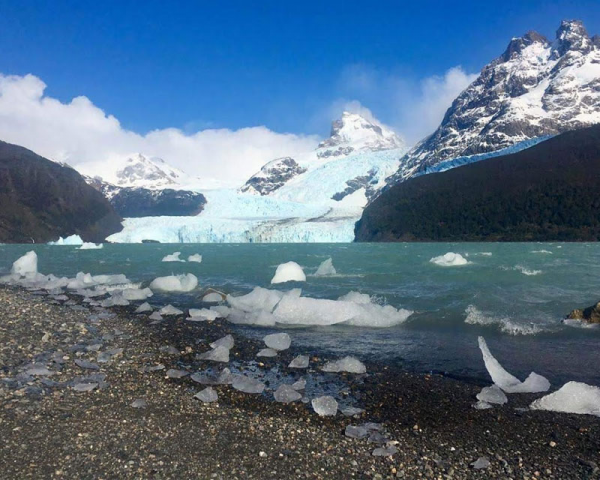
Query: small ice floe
{"type": "Point", "coordinates": [86, 365]}
{"type": "Point", "coordinates": [267, 352]}
{"type": "Point", "coordinates": [208, 395]}
{"type": "Point", "coordinates": [299, 384]}
{"type": "Point", "coordinates": [286, 394]}
{"type": "Point", "coordinates": [219, 354]}
{"type": "Point", "coordinates": [170, 310]}
{"type": "Point", "coordinates": [352, 411]}
{"type": "Point", "coordinates": [155, 316]}
{"type": "Point", "coordinates": [202, 315]}
{"type": "Point", "coordinates": [325, 406]}
{"type": "Point", "coordinates": [385, 451]}
{"type": "Point", "coordinates": [143, 308]}
{"type": "Point", "coordinates": [174, 373]}
{"type": "Point", "coordinates": [227, 341]}
{"type": "Point", "coordinates": [85, 387]}
{"type": "Point", "coordinates": [174, 257]}
{"type": "Point", "coordinates": [481, 463]}
{"type": "Point", "coordinates": [139, 403]}
{"type": "Point", "coordinates": [450, 259]}
{"type": "Point", "coordinates": [175, 283]}
{"type": "Point", "coordinates": [346, 364]}
{"type": "Point", "coordinates": [91, 246]}
{"type": "Point", "coordinates": [247, 384]}
{"type": "Point", "coordinates": [326, 269]}
{"type": "Point", "coordinates": [533, 384]}
{"type": "Point", "coordinates": [301, 361]}
{"type": "Point", "coordinates": [213, 297]}
{"type": "Point", "coordinates": [492, 394]}
{"type": "Point", "coordinates": [196, 257]}
{"type": "Point", "coordinates": [572, 397]}
{"type": "Point", "coordinates": [289, 272]}
{"type": "Point", "coordinates": [278, 341]}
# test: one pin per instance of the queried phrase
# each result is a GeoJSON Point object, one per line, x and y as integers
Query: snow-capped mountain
{"type": "Point", "coordinates": [136, 170]}
{"type": "Point", "coordinates": [314, 196]}
{"type": "Point", "coordinates": [536, 88]}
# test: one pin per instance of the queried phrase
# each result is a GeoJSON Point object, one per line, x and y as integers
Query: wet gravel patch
{"type": "Point", "coordinates": [86, 393]}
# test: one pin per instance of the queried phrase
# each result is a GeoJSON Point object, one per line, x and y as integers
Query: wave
{"type": "Point", "coordinates": [523, 270]}
{"type": "Point", "coordinates": [547, 252]}
{"type": "Point", "coordinates": [504, 324]}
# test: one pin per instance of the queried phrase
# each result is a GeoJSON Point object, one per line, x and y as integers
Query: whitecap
{"type": "Point", "coordinates": [504, 324]}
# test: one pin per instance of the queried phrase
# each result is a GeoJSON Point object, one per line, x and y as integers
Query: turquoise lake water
{"type": "Point", "coordinates": [515, 295]}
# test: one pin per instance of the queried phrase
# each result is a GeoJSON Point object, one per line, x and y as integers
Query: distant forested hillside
{"type": "Point", "coordinates": [548, 192]}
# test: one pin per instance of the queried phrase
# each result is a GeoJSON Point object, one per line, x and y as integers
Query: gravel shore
{"type": "Point", "coordinates": [138, 422]}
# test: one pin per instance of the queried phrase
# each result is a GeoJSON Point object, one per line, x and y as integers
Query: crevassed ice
{"type": "Point", "coordinates": [572, 397]}
{"type": "Point", "coordinates": [533, 384]}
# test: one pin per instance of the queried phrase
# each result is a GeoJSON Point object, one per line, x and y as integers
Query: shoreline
{"type": "Point", "coordinates": [56, 432]}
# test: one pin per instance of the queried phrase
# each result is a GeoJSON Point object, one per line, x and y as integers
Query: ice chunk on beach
{"type": "Point", "coordinates": [326, 268]}
{"type": "Point", "coordinates": [299, 384]}
{"type": "Point", "coordinates": [175, 283]}
{"type": "Point", "coordinates": [113, 301]}
{"type": "Point", "coordinates": [258, 299]}
{"type": "Point", "coordinates": [492, 394]}
{"type": "Point", "coordinates": [352, 411]}
{"type": "Point", "coordinates": [572, 397]}
{"type": "Point", "coordinates": [219, 354]}
{"type": "Point", "coordinates": [354, 431]}
{"type": "Point", "coordinates": [449, 259]}
{"type": "Point", "coordinates": [289, 272]}
{"type": "Point", "coordinates": [301, 361]}
{"type": "Point", "coordinates": [278, 341]}
{"type": "Point", "coordinates": [480, 405]}
{"type": "Point", "coordinates": [247, 384]}
{"type": "Point", "coordinates": [144, 307]}
{"type": "Point", "coordinates": [174, 257]}
{"type": "Point", "coordinates": [286, 394]}
{"type": "Point", "coordinates": [267, 352]}
{"type": "Point", "coordinates": [91, 246]}
{"type": "Point", "coordinates": [85, 387]}
{"type": "Point", "coordinates": [213, 297]}
{"type": "Point", "coordinates": [208, 395]}
{"type": "Point", "coordinates": [385, 451]}
{"type": "Point", "coordinates": [174, 373]}
{"type": "Point", "coordinates": [226, 341]}
{"type": "Point", "coordinates": [134, 294]}
{"type": "Point", "coordinates": [196, 257]}
{"type": "Point", "coordinates": [156, 317]}
{"type": "Point", "coordinates": [70, 240]}
{"type": "Point", "coordinates": [25, 265]}
{"type": "Point", "coordinates": [202, 315]}
{"type": "Point", "coordinates": [170, 310]}
{"type": "Point", "coordinates": [346, 364]}
{"type": "Point", "coordinates": [533, 384]}
{"type": "Point", "coordinates": [325, 406]}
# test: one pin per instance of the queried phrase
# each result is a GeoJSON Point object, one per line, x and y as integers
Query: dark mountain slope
{"type": "Point", "coordinates": [41, 200]}
{"type": "Point", "coordinates": [547, 192]}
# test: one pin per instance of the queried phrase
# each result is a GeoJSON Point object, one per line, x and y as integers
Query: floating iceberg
{"type": "Point", "coordinates": [533, 384]}
{"type": "Point", "coordinates": [175, 283]}
{"type": "Point", "coordinates": [346, 364]}
{"type": "Point", "coordinates": [70, 240]}
{"type": "Point", "coordinates": [278, 341]}
{"type": "Point", "coordinates": [289, 272]}
{"type": "Point", "coordinates": [174, 257]}
{"type": "Point", "coordinates": [325, 406]}
{"type": "Point", "coordinates": [572, 397]}
{"type": "Point", "coordinates": [25, 265]}
{"type": "Point", "coordinates": [91, 246]}
{"type": "Point", "coordinates": [449, 259]}
{"type": "Point", "coordinates": [326, 268]}
{"type": "Point", "coordinates": [196, 257]}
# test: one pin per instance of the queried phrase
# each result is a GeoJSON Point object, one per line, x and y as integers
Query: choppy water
{"type": "Point", "coordinates": [513, 294]}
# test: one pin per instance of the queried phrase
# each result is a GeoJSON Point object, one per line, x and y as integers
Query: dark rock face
{"type": "Point", "coordinates": [535, 88]}
{"type": "Point", "coordinates": [366, 181]}
{"type": "Point", "coordinates": [142, 202]}
{"type": "Point", "coordinates": [273, 176]}
{"type": "Point", "coordinates": [589, 315]}
{"type": "Point", "coordinates": [548, 192]}
{"type": "Point", "coordinates": [41, 200]}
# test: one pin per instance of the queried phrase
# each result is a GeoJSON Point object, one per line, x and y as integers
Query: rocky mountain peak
{"type": "Point", "coordinates": [353, 132]}
{"type": "Point", "coordinates": [572, 36]}
{"type": "Point", "coordinates": [518, 44]}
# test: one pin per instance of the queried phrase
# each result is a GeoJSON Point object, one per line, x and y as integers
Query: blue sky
{"type": "Point", "coordinates": [231, 64]}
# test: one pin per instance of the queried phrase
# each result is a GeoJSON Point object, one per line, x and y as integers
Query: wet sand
{"type": "Point", "coordinates": [50, 430]}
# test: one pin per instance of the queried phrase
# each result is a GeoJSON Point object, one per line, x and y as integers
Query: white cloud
{"type": "Point", "coordinates": [412, 107]}
{"type": "Point", "coordinates": [80, 133]}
